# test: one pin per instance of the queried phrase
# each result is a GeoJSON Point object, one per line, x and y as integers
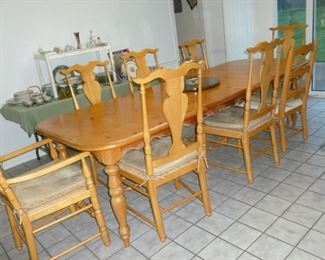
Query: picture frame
{"type": "Point", "coordinates": [178, 6]}
{"type": "Point", "coordinates": [192, 3]}
{"type": "Point", "coordinates": [118, 62]}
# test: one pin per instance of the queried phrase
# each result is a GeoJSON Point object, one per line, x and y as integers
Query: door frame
{"type": "Point", "coordinates": [310, 36]}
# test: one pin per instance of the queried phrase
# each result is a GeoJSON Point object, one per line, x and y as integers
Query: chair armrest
{"type": "Point", "coordinates": [24, 150]}
{"type": "Point", "coordinates": [53, 167]}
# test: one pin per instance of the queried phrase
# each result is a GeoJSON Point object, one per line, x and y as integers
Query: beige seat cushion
{"type": "Point", "coordinates": [133, 161]}
{"type": "Point", "coordinates": [255, 101]}
{"type": "Point", "coordinates": [233, 118]}
{"type": "Point", "coordinates": [50, 188]}
{"type": "Point", "coordinates": [293, 103]}
{"type": "Point", "coordinates": [290, 104]}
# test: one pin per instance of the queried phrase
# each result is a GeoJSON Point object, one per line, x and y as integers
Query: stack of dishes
{"type": "Point", "coordinates": [20, 97]}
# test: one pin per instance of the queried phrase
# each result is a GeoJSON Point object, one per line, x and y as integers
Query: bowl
{"type": "Point", "coordinates": [28, 103]}
{"type": "Point", "coordinates": [38, 100]}
{"type": "Point", "coordinates": [47, 99]}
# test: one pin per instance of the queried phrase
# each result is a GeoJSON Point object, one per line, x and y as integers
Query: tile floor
{"type": "Point", "coordinates": [319, 76]}
{"type": "Point", "coordinates": [280, 216]}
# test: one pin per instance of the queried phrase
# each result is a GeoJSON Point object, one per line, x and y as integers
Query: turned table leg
{"type": "Point", "coordinates": [109, 158]}
{"type": "Point", "coordinates": [118, 201]}
{"type": "Point", "coordinates": [62, 150]}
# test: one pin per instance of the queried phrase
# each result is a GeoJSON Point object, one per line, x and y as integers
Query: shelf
{"type": "Point", "coordinates": [49, 56]}
{"type": "Point", "coordinates": [54, 55]}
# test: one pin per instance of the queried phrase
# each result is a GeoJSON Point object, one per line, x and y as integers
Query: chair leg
{"type": "Point", "coordinates": [153, 195]}
{"type": "Point", "coordinates": [94, 170]}
{"type": "Point", "coordinates": [247, 158]}
{"type": "Point", "coordinates": [30, 240]}
{"type": "Point", "coordinates": [73, 208]}
{"type": "Point", "coordinates": [100, 220]}
{"type": "Point", "coordinates": [282, 135]}
{"type": "Point", "coordinates": [289, 120]}
{"type": "Point", "coordinates": [14, 229]}
{"type": "Point", "coordinates": [294, 119]}
{"type": "Point", "coordinates": [178, 185]}
{"type": "Point", "coordinates": [274, 144]}
{"type": "Point", "coordinates": [239, 144]}
{"type": "Point", "coordinates": [204, 188]}
{"type": "Point", "coordinates": [304, 123]}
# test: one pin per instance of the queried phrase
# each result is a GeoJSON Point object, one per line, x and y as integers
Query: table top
{"type": "Point", "coordinates": [118, 123]}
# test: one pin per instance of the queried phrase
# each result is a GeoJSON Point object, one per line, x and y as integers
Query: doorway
{"type": "Point", "coordinates": [319, 35]}
{"type": "Point", "coordinates": [313, 14]}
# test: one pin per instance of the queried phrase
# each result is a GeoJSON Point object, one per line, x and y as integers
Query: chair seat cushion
{"type": "Point", "coordinates": [255, 100]}
{"type": "Point", "coordinates": [233, 118]}
{"type": "Point", "coordinates": [134, 163]}
{"type": "Point", "coordinates": [293, 103]}
{"type": "Point", "coordinates": [50, 188]}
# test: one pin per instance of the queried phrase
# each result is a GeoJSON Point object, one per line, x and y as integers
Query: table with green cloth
{"type": "Point", "coordinates": [29, 117]}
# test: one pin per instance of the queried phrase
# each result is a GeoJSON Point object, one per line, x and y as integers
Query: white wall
{"type": "Point", "coordinates": [238, 27]}
{"type": "Point", "coordinates": [265, 15]}
{"type": "Point", "coordinates": [229, 27]}
{"type": "Point", "coordinates": [214, 31]}
{"type": "Point", "coordinates": [1, 77]}
{"type": "Point", "coordinates": [247, 22]}
{"type": "Point", "coordinates": [204, 21]}
{"type": "Point", "coordinates": [189, 23]}
{"type": "Point", "coordinates": [26, 25]}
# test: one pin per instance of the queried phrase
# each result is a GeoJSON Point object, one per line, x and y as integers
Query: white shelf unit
{"type": "Point", "coordinates": [49, 56]}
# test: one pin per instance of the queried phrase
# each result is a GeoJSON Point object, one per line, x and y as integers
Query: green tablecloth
{"type": "Point", "coordinates": [29, 117]}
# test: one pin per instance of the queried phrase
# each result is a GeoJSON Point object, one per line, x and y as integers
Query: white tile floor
{"type": "Point", "coordinates": [280, 216]}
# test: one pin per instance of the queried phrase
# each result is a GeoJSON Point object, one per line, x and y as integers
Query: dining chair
{"type": "Point", "coordinates": [169, 158]}
{"type": "Point", "coordinates": [61, 188]}
{"type": "Point", "coordinates": [189, 51]}
{"type": "Point", "coordinates": [243, 122]}
{"type": "Point", "coordinates": [193, 50]}
{"type": "Point", "coordinates": [289, 32]}
{"type": "Point", "coordinates": [139, 59]}
{"type": "Point", "coordinates": [90, 86]}
{"type": "Point", "coordinates": [295, 90]}
{"type": "Point", "coordinates": [92, 90]}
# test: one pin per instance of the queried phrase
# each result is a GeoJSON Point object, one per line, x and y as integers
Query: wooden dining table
{"type": "Point", "coordinates": [108, 129]}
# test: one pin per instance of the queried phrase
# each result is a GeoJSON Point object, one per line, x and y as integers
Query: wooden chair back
{"type": "Point", "coordinates": [289, 32]}
{"type": "Point", "coordinates": [174, 107]}
{"type": "Point", "coordinates": [91, 87]}
{"type": "Point", "coordinates": [143, 70]}
{"type": "Point", "coordinates": [269, 67]}
{"type": "Point", "coordinates": [189, 51]}
{"type": "Point", "coordinates": [297, 78]}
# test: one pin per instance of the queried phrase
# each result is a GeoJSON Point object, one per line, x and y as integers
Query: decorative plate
{"type": "Point", "coordinates": [131, 67]}
{"type": "Point", "coordinates": [58, 77]}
